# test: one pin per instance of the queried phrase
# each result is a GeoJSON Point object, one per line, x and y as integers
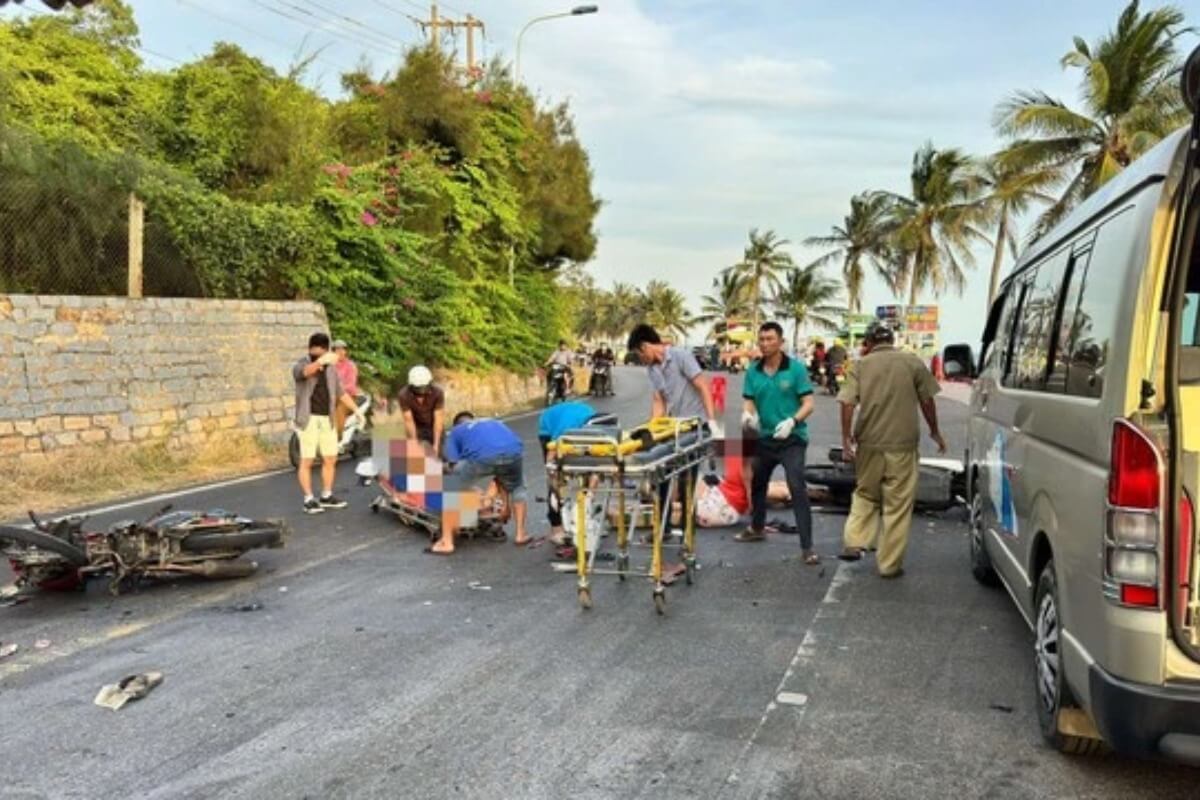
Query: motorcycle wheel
{"type": "Point", "coordinates": [44, 541]}
{"type": "Point", "coordinates": [263, 535]}
{"type": "Point", "coordinates": [294, 450]}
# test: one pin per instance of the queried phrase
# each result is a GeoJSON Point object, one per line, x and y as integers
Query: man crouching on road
{"type": "Point", "coordinates": [888, 386]}
{"type": "Point", "coordinates": [318, 392]}
{"type": "Point", "coordinates": [482, 450]}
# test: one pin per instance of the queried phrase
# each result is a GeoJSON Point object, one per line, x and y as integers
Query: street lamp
{"type": "Point", "coordinates": [577, 11]}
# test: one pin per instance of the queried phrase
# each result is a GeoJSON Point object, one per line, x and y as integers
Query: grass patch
{"type": "Point", "coordinates": [85, 476]}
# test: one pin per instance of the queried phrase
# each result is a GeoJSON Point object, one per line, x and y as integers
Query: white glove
{"type": "Point", "coordinates": [784, 429]}
{"type": "Point", "coordinates": [749, 420]}
{"type": "Point", "coordinates": [716, 429]}
{"type": "Point", "coordinates": [327, 359]}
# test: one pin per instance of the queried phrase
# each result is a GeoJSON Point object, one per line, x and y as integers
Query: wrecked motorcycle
{"type": "Point", "coordinates": [60, 554]}
{"type": "Point", "coordinates": [941, 482]}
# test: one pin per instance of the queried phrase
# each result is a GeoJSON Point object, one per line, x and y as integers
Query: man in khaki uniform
{"type": "Point", "coordinates": [888, 386]}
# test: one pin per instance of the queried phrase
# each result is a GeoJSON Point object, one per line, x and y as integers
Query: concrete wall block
{"type": "Point", "coordinates": [12, 445]}
{"type": "Point", "coordinates": [141, 432]}
{"type": "Point", "coordinates": [66, 439]}
{"type": "Point", "coordinates": [93, 436]}
{"type": "Point", "coordinates": [25, 427]}
{"type": "Point", "coordinates": [76, 423]}
{"type": "Point", "coordinates": [51, 424]}
{"type": "Point", "coordinates": [120, 433]}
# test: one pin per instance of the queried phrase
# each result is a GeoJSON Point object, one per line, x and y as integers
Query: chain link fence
{"type": "Point", "coordinates": [70, 225]}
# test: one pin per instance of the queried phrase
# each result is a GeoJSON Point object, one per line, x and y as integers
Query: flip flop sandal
{"type": "Point", "coordinates": [429, 551]}
{"type": "Point", "coordinates": [851, 554]}
{"type": "Point", "coordinates": [750, 535]}
{"type": "Point", "coordinates": [812, 559]}
{"type": "Point", "coordinates": [566, 552]}
{"type": "Point", "coordinates": [530, 541]}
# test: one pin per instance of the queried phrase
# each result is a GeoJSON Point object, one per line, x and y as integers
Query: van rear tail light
{"type": "Point", "coordinates": [1134, 480]}
{"type": "Point", "coordinates": [1131, 553]}
{"type": "Point", "coordinates": [1184, 538]}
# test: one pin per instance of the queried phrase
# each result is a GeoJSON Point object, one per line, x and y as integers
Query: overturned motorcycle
{"type": "Point", "coordinates": [59, 554]}
{"type": "Point", "coordinates": [941, 482]}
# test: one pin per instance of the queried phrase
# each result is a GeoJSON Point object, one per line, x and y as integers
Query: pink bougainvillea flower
{"type": "Point", "coordinates": [483, 97]}
{"type": "Point", "coordinates": [407, 155]}
{"type": "Point", "coordinates": [409, 302]}
{"type": "Point", "coordinates": [369, 219]}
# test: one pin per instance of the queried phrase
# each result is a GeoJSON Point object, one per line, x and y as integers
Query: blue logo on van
{"type": "Point", "coordinates": [1000, 485]}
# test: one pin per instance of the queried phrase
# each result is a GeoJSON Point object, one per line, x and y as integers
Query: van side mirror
{"type": "Point", "coordinates": [958, 361]}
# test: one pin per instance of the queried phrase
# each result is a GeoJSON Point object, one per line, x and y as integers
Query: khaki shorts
{"type": "Point", "coordinates": [318, 439]}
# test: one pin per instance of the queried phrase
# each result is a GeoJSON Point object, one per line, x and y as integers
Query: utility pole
{"type": "Point", "coordinates": [436, 24]}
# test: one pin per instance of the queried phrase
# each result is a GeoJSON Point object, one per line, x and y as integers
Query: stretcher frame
{"type": "Point", "coordinates": [610, 464]}
{"type": "Point", "coordinates": [489, 521]}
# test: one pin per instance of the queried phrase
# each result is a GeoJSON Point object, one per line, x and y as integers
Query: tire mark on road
{"type": "Point", "coordinates": [124, 630]}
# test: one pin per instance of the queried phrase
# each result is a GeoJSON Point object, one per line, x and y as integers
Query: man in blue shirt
{"type": "Point", "coordinates": [778, 398]}
{"type": "Point", "coordinates": [554, 422]}
{"type": "Point", "coordinates": [483, 450]}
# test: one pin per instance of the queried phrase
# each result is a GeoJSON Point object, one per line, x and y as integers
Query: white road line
{"type": "Point", "coordinates": [804, 652]}
{"type": "Point", "coordinates": [158, 498]}
{"type": "Point", "coordinates": [40, 658]}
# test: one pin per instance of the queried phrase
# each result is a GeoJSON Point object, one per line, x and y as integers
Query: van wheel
{"type": "Point", "coordinates": [1053, 695]}
{"type": "Point", "coordinates": [981, 563]}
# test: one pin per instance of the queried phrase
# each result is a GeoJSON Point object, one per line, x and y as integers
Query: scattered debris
{"type": "Point", "coordinates": [229, 715]}
{"type": "Point", "coordinates": [427, 603]}
{"type": "Point", "coordinates": [283, 588]}
{"type": "Point", "coordinates": [1002, 708]}
{"type": "Point", "coordinates": [15, 600]}
{"type": "Point", "coordinates": [41, 644]}
{"type": "Point", "coordinates": [478, 587]}
{"type": "Point", "coordinates": [7, 650]}
{"type": "Point", "coordinates": [359, 629]}
{"type": "Point", "coordinates": [129, 688]}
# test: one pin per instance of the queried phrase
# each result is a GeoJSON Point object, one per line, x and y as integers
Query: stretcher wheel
{"type": "Point", "coordinates": [374, 508]}
{"type": "Point", "coordinates": [690, 574]}
{"type": "Point", "coordinates": [660, 602]}
{"type": "Point", "coordinates": [585, 598]}
{"type": "Point", "coordinates": [622, 566]}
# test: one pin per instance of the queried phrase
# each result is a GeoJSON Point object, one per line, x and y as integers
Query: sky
{"type": "Point", "coordinates": [706, 118]}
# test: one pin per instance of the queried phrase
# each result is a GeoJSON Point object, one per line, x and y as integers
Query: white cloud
{"type": "Point", "coordinates": [758, 82]}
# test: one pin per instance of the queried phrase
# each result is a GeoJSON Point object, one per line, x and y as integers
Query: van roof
{"type": "Point", "coordinates": [1156, 163]}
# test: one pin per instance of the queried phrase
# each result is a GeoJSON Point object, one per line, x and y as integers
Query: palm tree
{"type": "Point", "coordinates": [808, 297]}
{"type": "Point", "coordinates": [1012, 189]}
{"type": "Point", "coordinates": [666, 309]}
{"type": "Point", "coordinates": [729, 301]}
{"type": "Point", "coordinates": [622, 307]}
{"type": "Point", "coordinates": [1129, 98]}
{"type": "Point", "coordinates": [762, 262]}
{"type": "Point", "coordinates": [935, 228]}
{"type": "Point", "coordinates": [865, 234]}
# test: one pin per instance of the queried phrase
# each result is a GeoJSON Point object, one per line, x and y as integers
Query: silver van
{"type": "Point", "coordinates": [1084, 457]}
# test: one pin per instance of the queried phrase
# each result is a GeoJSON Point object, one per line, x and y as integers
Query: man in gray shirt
{"type": "Point", "coordinates": [318, 393]}
{"type": "Point", "coordinates": [680, 386]}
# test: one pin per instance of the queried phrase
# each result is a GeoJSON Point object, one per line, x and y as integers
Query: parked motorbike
{"type": "Point", "coordinates": [60, 554]}
{"type": "Point", "coordinates": [601, 385]}
{"type": "Point", "coordinates": [941, 482]}
{"type": "Point", "coordinates": [556, 384]}
{"type": "Point", "coordinates": [355, 441]}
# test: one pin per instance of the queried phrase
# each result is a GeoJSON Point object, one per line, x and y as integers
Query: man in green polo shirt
{"type": "Point", "coordinates": [777, 400]}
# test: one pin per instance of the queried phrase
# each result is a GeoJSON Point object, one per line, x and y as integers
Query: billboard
{"type": "Point", "coordinates": [921, 319]}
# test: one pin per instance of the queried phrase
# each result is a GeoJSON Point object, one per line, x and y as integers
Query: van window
{"type": "Point", "coordinates": [1060, 357]}
{"type": "Point", "coordinates": [993, 336]}
{"type": "Point", "coordinates": [1006, 342]}
{"type": "Point", "coordinates": [1032, 351]}
{"type": "Point", "coordinates": [1094, 323]}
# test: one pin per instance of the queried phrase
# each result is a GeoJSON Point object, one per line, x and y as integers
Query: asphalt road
{"type": "Point", "coordinates": [375, 671]}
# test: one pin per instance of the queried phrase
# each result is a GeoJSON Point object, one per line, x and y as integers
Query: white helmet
{"type": "Point", "coordinates": [420, 376]}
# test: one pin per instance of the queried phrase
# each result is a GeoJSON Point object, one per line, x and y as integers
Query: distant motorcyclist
{"type": "Point", "coordinates": [565, 358]}
{"type": "Point", "coordinates": [835, 363]}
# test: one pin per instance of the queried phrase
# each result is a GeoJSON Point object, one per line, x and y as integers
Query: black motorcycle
{"type": "Point", "coordinates": [556, 384]}
{"type": "Point", "coordinates": [601, 385]}
{"type": "Point", "coordinates": [60, 554]}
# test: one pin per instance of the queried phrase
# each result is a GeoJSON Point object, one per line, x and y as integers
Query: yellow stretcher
{"type": "Point", "coordinates": [606, 462]}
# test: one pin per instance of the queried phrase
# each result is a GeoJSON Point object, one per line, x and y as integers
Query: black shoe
{"type": "Point", "coordinates": [330, 501]}
{"type": "Point", "coordinates": [312, 507]}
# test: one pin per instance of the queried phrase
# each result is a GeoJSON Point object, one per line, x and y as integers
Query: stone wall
{"type": "Point", "coordinates": [85, 371]}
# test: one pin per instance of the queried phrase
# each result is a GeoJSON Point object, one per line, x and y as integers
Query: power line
{"type": "Point", "coordinates": [259, 34]}
{"type": "Point", "coordinates": [371, 38]}
{"type": "Point", "coordinates": [319, 29]}
{"type": "Point", "coordinates": [388, 7]}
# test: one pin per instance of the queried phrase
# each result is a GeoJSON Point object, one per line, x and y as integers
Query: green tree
{"type": "Point", "coordinates": [1129, 102]}
{"type": "Point", "coordinates": [728, 301]}
{"type": "Point", "coordinates": [666, 309]}
{"type": "Point", "coordinates": [807, 297]}
{"type": "Point", "coordinates": [864, 235]}
{"type": "Point", "coordinates": [763, 261]}
{"type": "Point", "coordinates": [623, 307]}
{"type": "Point", "coordinates": [936, 227]}
{"type": "Point", "coordinates": [1012, 189]}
